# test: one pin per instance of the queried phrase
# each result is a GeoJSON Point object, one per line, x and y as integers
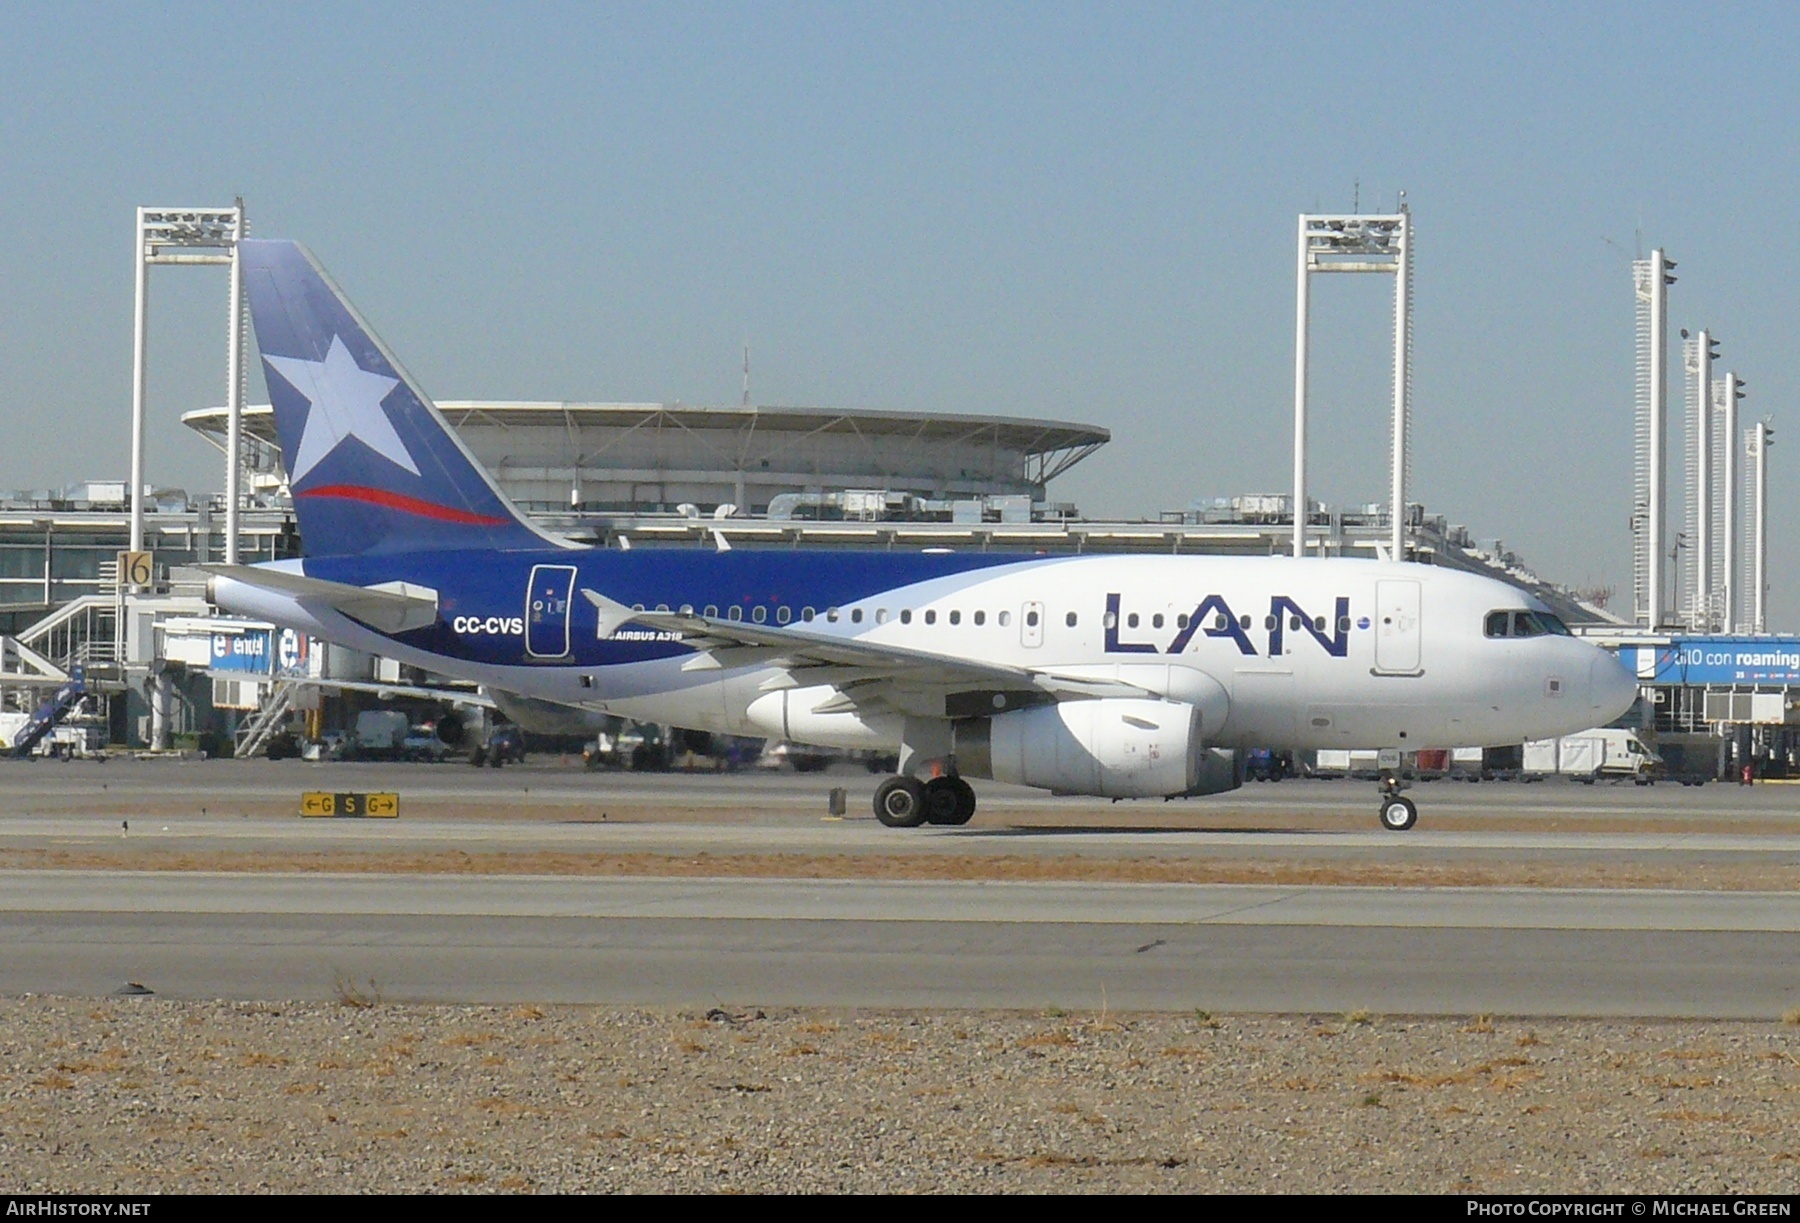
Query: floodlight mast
{"type": "Point", "coordinates": [1732, 506]}
{"type": "Point", "coordinates": [1757, 440]}
{"type": "Point", "coordinates": [1702, 524]}
{"type": "Point", "coordinates": [189, 237]}
{"type": "Point", "coordinates": [1337, 243]}
{"type": "Point", "coordinates": [1651, 280]}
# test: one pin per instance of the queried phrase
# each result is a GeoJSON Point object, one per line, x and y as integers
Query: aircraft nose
{"type": "Point", "coordinates": [1611, 687]}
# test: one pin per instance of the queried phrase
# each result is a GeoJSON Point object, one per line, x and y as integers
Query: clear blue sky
{"type": "Point", "coordinates": [1082, 212]}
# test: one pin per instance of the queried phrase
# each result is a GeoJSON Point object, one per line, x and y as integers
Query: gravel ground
{"type": "Point", "coordinates": [142, 1095]}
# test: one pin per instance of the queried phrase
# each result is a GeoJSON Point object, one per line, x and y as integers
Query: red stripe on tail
{"type": "Point", "coordinates": [403, 503]}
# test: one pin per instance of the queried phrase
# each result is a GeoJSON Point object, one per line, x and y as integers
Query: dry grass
{"type": "Point", "coordinates": [350, 994]}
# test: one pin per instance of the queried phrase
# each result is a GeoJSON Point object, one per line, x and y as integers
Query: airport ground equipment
{"type": "Point", "coordinates": [60, 705]}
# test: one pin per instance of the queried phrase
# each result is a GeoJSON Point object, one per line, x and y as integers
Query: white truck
{"type": "Point", "coordinates": [381, 733]}
{"type": "Point", "coordinates": [1609, 751]}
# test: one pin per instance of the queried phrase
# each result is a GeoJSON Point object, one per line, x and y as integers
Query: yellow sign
{"type": "Point", "coordinates": [379, 806]}
{"type": "Point", "coordinates": [135, 569]}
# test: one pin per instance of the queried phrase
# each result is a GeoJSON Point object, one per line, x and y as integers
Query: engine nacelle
{"type": "Point", "coordinates": [1115, 748]}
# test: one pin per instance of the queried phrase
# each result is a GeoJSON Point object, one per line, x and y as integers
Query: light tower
{"type": "Point", "coordinates": [1650, 511]}
{"type": "Point", "coordinates": [1357, 244]}
{"type": "Point", "coordinates": [1731, 502]}
{"type": "Point", "coordinates": [1757, 440]}
{"type": "Point", "coordinates": [190, 236]}
{"type": "Point", "coordinates": [1700, 353]}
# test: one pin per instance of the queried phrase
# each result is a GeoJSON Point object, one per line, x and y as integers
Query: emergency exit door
{"type": "Point", "coordinates": [1397, 628]}
{"type": "Point", "coordinates": [547, 610]}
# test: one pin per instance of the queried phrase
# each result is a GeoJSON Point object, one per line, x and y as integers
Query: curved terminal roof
{"type": "Point", "coordinates": [637, 456]}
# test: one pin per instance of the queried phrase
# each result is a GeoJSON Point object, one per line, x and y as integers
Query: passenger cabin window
{"type": "Point", "coordinates": [1005, 618]}
{"type": "Point", "coordinates": [881, 615]}
{"type": "Point", "coordinates": [783, 614]}
{"type": "Point", "coordinates": [931, 617]}
{"type": "Point", "coordinates": [981, 617]}
{"type": "Point", "coordinates": [856, 615]}
{"type": "Point", "coordinates": [1070, 619]}
{"type": "Point", "coordinates": [759, 613]}
{"type": "Point", "coordinates": [1031, 619]}
{"type": "Point", "coordinates": [906, 615]}
{"type": "Point", "coordinates": [806, 614]}
{"type": "Point", "coordinates": [956, 617]}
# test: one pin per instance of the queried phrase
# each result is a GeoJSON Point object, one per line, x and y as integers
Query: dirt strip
{"type": "Point", "coordinates": [1749, 876]}
{"type": "Point", "coordinates": [136, 1095]}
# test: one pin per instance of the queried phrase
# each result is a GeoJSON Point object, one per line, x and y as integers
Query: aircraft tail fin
{"type": "Point", "coordinates": [372, 465]}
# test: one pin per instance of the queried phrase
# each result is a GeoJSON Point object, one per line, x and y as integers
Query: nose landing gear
{"type": "Point", "coordinates": [1397, 812]}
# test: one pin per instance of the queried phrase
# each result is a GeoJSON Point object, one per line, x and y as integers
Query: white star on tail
{"type": "Point", "coordinates": [346, 402]}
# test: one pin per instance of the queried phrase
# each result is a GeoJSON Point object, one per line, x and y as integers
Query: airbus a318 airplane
{"type": "Point", "coordinates": [1118, 676]}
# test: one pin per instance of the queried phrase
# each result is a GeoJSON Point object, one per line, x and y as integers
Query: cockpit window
{"type": "Point", "coordinates": [1524, 624]}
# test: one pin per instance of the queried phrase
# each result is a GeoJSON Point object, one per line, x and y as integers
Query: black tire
{"type": "Point", "coordinates": [1398, 813]}
{"type": "Point", "coordinates": [943, 800]}
{"type": "Point", "coordinates": [900, 802]}
{"type": "Point", "coordinates": [965, 801]}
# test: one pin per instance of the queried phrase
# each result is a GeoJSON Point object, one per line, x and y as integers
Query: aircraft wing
{"type": "Point", "coordinates": [392, 607]}
{"type": "Point", "coordinates": [864, 670]}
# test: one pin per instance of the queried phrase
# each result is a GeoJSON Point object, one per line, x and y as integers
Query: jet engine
{"type": "Point", "coordinates": [1114, 747]}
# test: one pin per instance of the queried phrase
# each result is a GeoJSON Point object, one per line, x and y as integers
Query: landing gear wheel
{"type": "Point", "coordinates": [900, 802]}
{"type": "Point", "coordinates": [949, 800]}
{"type": "Point", "coordinates": [1398, 814]}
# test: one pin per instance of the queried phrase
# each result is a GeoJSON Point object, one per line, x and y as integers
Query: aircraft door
{"type": "Point", "coordinates": [547, 610]}
{"type": "Point", "coordinates": [1031, 625]}
{"type": "Point", "coordinates": [1397, 628]}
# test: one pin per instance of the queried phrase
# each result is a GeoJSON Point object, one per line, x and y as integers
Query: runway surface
{"type": "Point", "coordinates": [739, 941]}
{"type": "Point", "coordinates": [860, 943]}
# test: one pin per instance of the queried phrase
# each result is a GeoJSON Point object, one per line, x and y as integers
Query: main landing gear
{"type": "Point", "coordinates": [907, 802]}
{"type": "Point", "coordinates": [1397, 812]}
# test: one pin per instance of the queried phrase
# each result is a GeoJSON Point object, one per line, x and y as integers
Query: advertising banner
{"type": "Point", "coordinates": [1706, 661]}
{"type": "Point", "coordinates": [251, 653]}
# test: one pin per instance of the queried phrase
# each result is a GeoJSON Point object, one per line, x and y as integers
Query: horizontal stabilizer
{"type": "Point", "coordinates": [391, 607]}
{"type": "Point", "coordinates": [612, 614]}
